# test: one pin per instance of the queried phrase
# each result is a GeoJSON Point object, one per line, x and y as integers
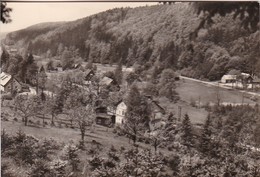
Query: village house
{"type": "Point", "coordinates": [109, 84]}
{"type": "Point", "coordinates": [255, 82]}
{"type": "Point", "coordinates": [77, 66]}
{"type": "Point", "coordinates": [120, 112]}
{"type": "Point", "coordinates": [8, 83]}
{"type": "Point", "coordinates": [59, 67]}
{"type": "Point", "coordinates": [229, 78]}
{"type": "Point", "coordinates": [104, 118]}
{"type": "Point", "coordinates": [157, 112]}
{"type": "Point", "coordinates": [89, 74]}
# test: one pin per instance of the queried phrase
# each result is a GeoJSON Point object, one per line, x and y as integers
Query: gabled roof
{"type": "Point", "coordinates": [4, 78]}
{"type": "Point", "coordinates": [229, 77]}
{"type": "Point", "coordinates": [106, 81]}
{"type": "Point", "coordinates": [256, 80]}
{"type": "Point", "coordinates": [156, 104]}
{"type": "Point", "coordinates": [88, 71]}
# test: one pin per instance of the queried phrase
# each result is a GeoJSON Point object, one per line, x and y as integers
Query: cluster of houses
{"type": "Point", "coordinates": [111, 116]}
{"type": "Point", "coordinates": [116, 114]}
{"type": "Point", "coordinates": [237, 79]}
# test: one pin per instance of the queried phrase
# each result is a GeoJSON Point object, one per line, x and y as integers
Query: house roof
{"type": "Point", "coordinates": [256, 80]}
{"type": "Point", "coordinates": [106, 81]}
{"type": "Point", "coordinates": [4, 78]}
{"type": "Point", "coordinates": [103, 115]}
{"type": "Point", "coordinates": [88, 71]}
{"type": "Point", "coordinates": [234, 72]}
{"type": "Point", "coordinates": [229, 77]}
{"type": "Point", "coordinates": [161, 109]}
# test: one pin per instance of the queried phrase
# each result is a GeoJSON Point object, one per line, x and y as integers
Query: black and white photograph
{"type": "Point", "coordinates": [130, 88]}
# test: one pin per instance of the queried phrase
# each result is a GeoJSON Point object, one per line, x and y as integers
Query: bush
{"type": "Point", "coordinates": [71, 154]}
{"type": "Point", "coordinates": [193, 102]}
{"type": "Point", "coordinates": [170, 148]}
{"type": "Point", "coordinates": [40, 168]}
{"type": "Point", "coordinates": [81, 145]}
{"type": "Point", "coordinates": [5, 172]}
{"type": "Point", "coordinates": [58, 167]}
{"type": "Point", "coordinates": [38, 122]}
{"type": "Point", "coordinates": [117, 130]}
{"type": "Point", "coordinates": [30, 121]}
{"type": "Point", "coordinates": [95, 163]}
{"type": "Point", "coordinates": [174, 163]}
{"type": "Point", "coordinates": [6, 141]}
{"type": "Point", "coordinates": [15, 119]}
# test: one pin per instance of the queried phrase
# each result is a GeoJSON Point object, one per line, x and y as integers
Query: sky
{"type": "Point", "coordinates": [27, 14]}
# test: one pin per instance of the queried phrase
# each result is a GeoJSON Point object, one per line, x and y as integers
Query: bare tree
{"type": "Point", "coordinates": [27, 107]}
{"type": "Point", "coordinates": [85, 118]}
{"type": "Point", "coordinates": [157, 137]}
{"type": "Point", "coordinates": [133, 126]}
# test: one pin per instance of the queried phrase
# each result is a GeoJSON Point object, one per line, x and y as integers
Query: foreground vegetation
{"type": "Point", "coordinates": [226, 145]}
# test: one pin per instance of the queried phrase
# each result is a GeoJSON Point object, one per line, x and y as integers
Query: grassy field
{"type": "Point", "coordinates": [190, 90]}
{"type": "Point", "coordinates": [199, 93]}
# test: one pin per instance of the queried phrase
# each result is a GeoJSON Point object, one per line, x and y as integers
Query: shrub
{"type": "Point", "coordinates": [71, 154]}
{"type": "Point", "coordinates": [58, 167]}
{"type": "Point", "coordinates": [95, 163]}
{"type": "Point", "coordinates": [5, 172]}
{"type": "Point", "coordinates": [81, 145]}
{"type": "Point", "coordinates": [38, 122]}
{"type": "Point", "coordinates": [113, 154]}
{"type": "Point", "coordinates": [6, 141]}
{"type": "Point", "coordinates": [30, 121]}
{"type": "Point", "coordinates": [15, 119]}
{"type": "Point", "coordinates": [174, 163]}
{"type": "Point", "coordinates": [40, 168]}
{"type": "Point", "coordinates": [122, 149]}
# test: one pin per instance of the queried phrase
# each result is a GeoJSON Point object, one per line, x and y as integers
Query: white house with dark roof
{"type": "Point", "coordinates": [120, 112]}
{"type": "Point", "coordinates": [9, 83]}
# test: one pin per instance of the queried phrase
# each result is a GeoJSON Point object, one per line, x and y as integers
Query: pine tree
{"type": "Point", "coordinates": [119, 74]}
{"type": "Point", "coordinates": [205, 142]}
{"type": "Point", "coordinates": [187, 131]}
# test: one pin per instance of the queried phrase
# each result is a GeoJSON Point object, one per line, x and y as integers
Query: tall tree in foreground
{"type": "Point", "coordinates": [119, 74]}
{"type": "Point", "coordinates": [205, 141]}
{"type": "Point", "coordinates": [133, 126]}
{"type": "Point", "coordinates": [187, 131]}
{"type": "Point", "coordinates": [85, 118]}
{"type": "Point", "coordinates": [138, 105]}
{"type": "Point", "coordinates": [26, 106]}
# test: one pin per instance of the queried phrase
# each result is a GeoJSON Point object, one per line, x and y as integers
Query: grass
{"type": "Point", "coordinates": [198, 92]}
{"type": "Point", "coordinates": [188, 90]}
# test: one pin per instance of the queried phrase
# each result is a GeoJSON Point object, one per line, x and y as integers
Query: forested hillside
{"type": "Point", "coordinates": [157, 36]}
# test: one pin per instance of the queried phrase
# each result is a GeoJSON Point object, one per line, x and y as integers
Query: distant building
{"type": "Point", "coordinates": [8, 83]}
{"type": "Point", "coordinates": [89, 74]}
{"type": "Point", "coordinates": [229, 79]}
{"type": "Point", "coordinates": [245, 78]}
{"type": "Point", "coordinates": [157, 111]}
{"type": "Point", "coordinates": [156, 124]}
{"type": "Point", "coordinates": [109, 83]}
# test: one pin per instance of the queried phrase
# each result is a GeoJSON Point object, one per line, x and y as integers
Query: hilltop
{"type": "Point", "coordinates": [157, 36]}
